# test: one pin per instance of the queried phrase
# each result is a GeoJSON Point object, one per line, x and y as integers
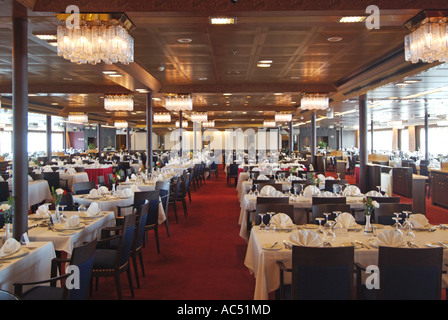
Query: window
{"type": "Point", "coordinates": [436, 140]}
{"type": "Point", "coordinates": [382, 140]}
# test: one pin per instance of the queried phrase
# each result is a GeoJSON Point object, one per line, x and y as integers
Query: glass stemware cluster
{"type": "Point", "coordinates": [405, 228]}
{"type": "Point", "coordinates": [329, 235]}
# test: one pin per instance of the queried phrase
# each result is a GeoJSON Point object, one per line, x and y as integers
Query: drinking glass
{"type": "Point", "coordinates": [330, 236]}
{"type": "Point", "coordinates": [406, 223]}
{"type": "Point", "coordinates": [321, 228]}
{"type": "Point", "coordinates": [256, 192]}
{"type": "Point", "coordinates": [397, 225]}
{"type": "Point", "coordinates": [262, 225]}
{"type": "Point", "coordinates": [82, 208]}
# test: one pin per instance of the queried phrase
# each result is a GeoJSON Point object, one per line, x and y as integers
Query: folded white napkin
{"type": "Point", "coordinates": [329, 178]}
{"type": "Point", "coordinates": [276, 194]}
{"type": "Point", "coordinates": [72, 222]}
{"type": "Point", "coordinates": [10, 246]}
{"type": "Point", "coordinates": [281, 220]}
{"type": "Point", "coordinates": [93, 210]}
{"type": "Point", "coordinates": [134, 188]}
{"type": "Point", "coordinates": [1, 179]}
{"type": "Point", "coordinates": [311, 191]}
{"type": "Point", "coordinates": [352, 191]}
{"type": "Point", "coordinates": [418, 220]}
{"type": "Point", "coordinates": [326, 194]}
{"type": "Point", "coordinates": [374, 193]}
{"type": "Point", "coordinates": [390, 238]}
{"type": "Point", "coordinates": [103, 190]}
{"type": "Point", "coordinates": [133, 176]}
{"type": "Point", "coordinates": [127, 192]}
{"type": "Point", "coordinates": [266, 191]}
{"type": "Point", "coordinates": [93, 193]}
{"type": "Point", "coordinates": [321, 177]}
{"type": "Point", "coordinates": [29, 178]}
{"type": "Point", "coordinates": [262, 177]}
{"type": "Point", "coordinates": [127, 180]}
{"type": "Point", "coordinates": [306, 238]}
{"type": "Point", "coordinates": [47, 169]}
{"type": "Point", "coordinates": [43, 211]}
{"type": "Point", "coordinates": [345, 220]}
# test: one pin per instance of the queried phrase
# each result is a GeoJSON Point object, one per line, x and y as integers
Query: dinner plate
{"type": "Point", "coordinates": [374, 244]}
{"type": "Point", "coordinates": [425, 228]}
{"type": "Point", "coordinates": [272, 247]}
{"type": "Point", "coordinates": [355, 228]}
{"type": "Point", "coordinates": [346, 244]}
{"type": "Point", "coordinates": [94, 197]}
{"type": "Point", "coordinates": [311, 226]}
{"type": "Point", "coordinates": [36, 217]}
{"type": "Point", "coordinates": [63, 227]}
{"type": "Point", "coordinates": [17, 254]}
{"type": "Point", "coordinates": [378, 226]}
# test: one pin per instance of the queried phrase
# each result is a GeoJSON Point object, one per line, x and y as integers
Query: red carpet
{"type": "Point", "coordinates": [202, 260]}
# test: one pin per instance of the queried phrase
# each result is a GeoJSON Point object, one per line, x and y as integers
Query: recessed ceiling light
{"type": "Point", "coordinates": [116, 75]}
{"type": "Point", "coordinates": [263, 65]}
{"type": "Point", "coordinates": [334, 39]}
{"type": "Point", "coordinates": [226, 94]}
{"type": "Point", "coordinates": [156, 99]}
{"type": "Point", "coordinates": [203, 78]}
{"type": "Point", "coordinates": [108, 72]}
{"type": "Point", "coordinates": [46, 36]}
{"type": "Point", "coordinates": [142, 90]}
{"type": "Point", "coordinates": [265, 61]}
{"type": "Point", "coordinates": [222, 20]}
{"type": "Point", "coordinates": [352, 19]}
{"type": "Point", "coordinates": [278, 94]}
{"type": "Point", "coordinates": [294, 78]}
{"type": "Point", "coordinates": [184, 40]}
{"type": "Point", "coordinates": [67, 79]}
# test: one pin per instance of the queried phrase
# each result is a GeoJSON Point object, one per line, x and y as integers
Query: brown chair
{"type": "Point", "coordinates": [232, 173]}
{"type": "Point", "coordinates": [264, 200]}
{"type": "Point", "coordinates": [140, 198]}
{"type": "Point", "coordinates": [319, 273]}
{"type": "Point", "coordinates": [329, 200]}
{"type": "Point", "coordinates": [273, 207]}
{"type": "Point", "coordinates": [329, 184]}
{"type": "Point", "coordinates": [83, 187]}
{"type": "Point", "coordinates": [137, 245]}
{"type": "Point", "coordinates": [385, 212]}
{"type": "Point", "coordinates": [277, 186]}
{"type": "Point", "coordinates": [318, 210]}
{"type": "Point", "coordinates": [386, 199]}
{"type": "Point", "coordinates": [153, 216]}
{"type": "Point", "coordinates": [406, 274]}
{"type": "Point", "coordinates": [112, 255]}
{"type": "Point", "coordinates": [174, 190]}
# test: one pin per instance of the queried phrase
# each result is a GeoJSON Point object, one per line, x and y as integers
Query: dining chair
{"type": "Point", "coordinates": [81, 257]}
{"type": "Point", "coordinates": [4, 191]}
{"type": "Point", "coordinates": [140, 198]}
{"type": "Point", "coordinates": [174, 190]}
{"type": "Point", "coordinates": [111, 261]}
{"type": "Point", "coordinates": [8, 296]}
{"type": "Point", "coordinates": [405, 274]}
{"type": "Point", "coordinates": [164, 193]}
{"type": "Point", "coordinates": [137, 245]}
{"type": "Point", "coordinates": [54, 181]}
{"type": "Point", "coordinates": [153, 217]}
{"type": "Point", "coordinates": [385, 212]}
{"type": "Point", "coordinates": [324, 200]}
{"type": "Point", "coordinates": [67, 201]}
{"type": "Point", "coordinates": [36, 176]}
{"type": "Point", "coordinates": [273, 207]}
{"type": "Point", "coordinates": [318, 210]}
{"type": "Point", "coordinates": [329, 184]}
{"type": "Point", "coordinates": [213, 171]}
{"type": "Point", "coordinates": [263, 200]}
{"type": "Point", "coordinates": [101, 181]}
{"type": "Point", "coordinates": [182, 194]}
{"type": "Point", "coordinates": [79, 169]}
{"type": "Point", "coordinates": [425, 172]}
{"type": "Point", "coordinates": [386, 199]}
{"type": "Point", "coordinates": [83, 187]}
{"type": "Point", "coordinates": [319, 273]}
{"type": "Point", "coordinates": [232, 173]}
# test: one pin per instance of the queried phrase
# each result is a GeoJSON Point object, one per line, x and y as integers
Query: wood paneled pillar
{"type": "Point", "coordinates": [149, 147]}
{"type": "Point", "coordinates": [48, 132]}
{"type": "Point", "coordinates": [291, 137]}
{"type": "Point", "coordinates": [313, 137]}
{"type": "Point", "coordinates": [20, 117]}
{"type": "Point", "coordinates": [363, 151]}
{"type": "Point", "coordinates": [426, 131]}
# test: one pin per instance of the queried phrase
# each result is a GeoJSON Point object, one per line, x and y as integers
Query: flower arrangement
{"type": "Point", "coordinates": [370, 205]}
{"type": "Point", "coordinates": [315, 180]}
{"type": "Point", "coordinates": [8, 210]}
{"type": "Point", "coordinates": [56, 195]}
{"type": "Point", "coordinates": [159, 164]}
{"type": "Point", "coordinates": [116, 177]}
{"type": "Point", "coordinates": [190, 155]}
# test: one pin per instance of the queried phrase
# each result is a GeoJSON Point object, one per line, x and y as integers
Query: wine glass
{"type": "Point", "coordinates": [397, 220]}
{"type": "Point", "coordinates": [330, 236]}
{"type": "Point", "coordinates": [410, 235]}
{"type": "Point", "coordinates": [321, 228]}
{"type": "Point", "coordinates": [262, 225]}
{"type": "Point", "coordinates": [407, 223]}
{"type": "Point", "coordinates": [82, 208]}
{"type": "Point", "coordinates": [339, 176]}
{"type": "Point", "coordinates": [269, 225]}
{"type": "Point", "coordinates": [256, 192]}
{"type": "Point", "coordinates": [378, 188]}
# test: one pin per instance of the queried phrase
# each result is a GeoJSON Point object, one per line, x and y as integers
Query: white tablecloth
{"type": "Point", "coordinates": [73, 178]}
{"type": "Point", "coordinates": [34, 266]}
{"type": "Point", "coordinates": [38, 191]}
{"type": "Point", "coordinates": [66, 242]}
{"type": "Point", "coordinates": [263, 263]}
{"type": "Point", "coordinates": [111, 205]}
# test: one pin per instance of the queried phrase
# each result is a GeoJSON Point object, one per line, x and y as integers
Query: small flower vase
{"type": "Point", "coordinates": [368, 229]}
{"type": "Point", "coordinates": [113, 188]}
{"type": "Point", "coordinates": [57, 213]}
{"type": "Point", "coordinates": [7, 231]}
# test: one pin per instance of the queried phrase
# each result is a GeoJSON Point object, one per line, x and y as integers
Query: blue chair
{"type": "Point", "coordinates": [153, 217]}
{"type": "Point", "coordinates": [136, 251]}
{"type": "Point", "coordinates": [82, 257]}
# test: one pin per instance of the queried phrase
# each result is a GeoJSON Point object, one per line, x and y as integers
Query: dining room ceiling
{"type": "Point", "coordinates": [177, 50]}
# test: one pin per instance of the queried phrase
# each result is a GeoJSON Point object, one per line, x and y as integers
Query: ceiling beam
{"type": "Point", "coordinates": [69, 89]}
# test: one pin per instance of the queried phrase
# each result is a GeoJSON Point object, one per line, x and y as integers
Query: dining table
{"type": "Point", "coordinates": [301, 205]}
{"type": "Point", "coordinates": [94, 172]}
{"type": "Point", "coordinates": [72, 178]}
{"type": "Point", "coordinates": [32, 262]}
{"type": "Point", "coordinates": [262, 255]}
{"type": "Point", "coordinates": [38, 192]}
{"type": "Point", "coordinates": [66, 239]}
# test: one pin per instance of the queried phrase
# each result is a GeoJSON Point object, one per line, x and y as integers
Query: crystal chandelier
{"type": "Point", "coordinates": [199, 117]}
{"type": "Point", "coordinates": [208, 124]}
{"type": "Point", "coordinates": [283, 117]}
{"type": "Point", "coordinates": [269, 124]}
{"type": "Point", "coordinates": [429, 42]}
{"type": "Point", "coordinates": [314, 102]}
{"type": "Point", "coordinates": [179, 103]}
{"type": "Point", "coordinates": [97, 38]}
{"type": "Point", "coordinates": [121, 124]}
{"type": "Point", "coordinates": [184, 124]}
{"type": "Point", "coordinates": [162, 117]}
{"type": "Point", "coordinates": [119, 102]}
{"type": "Point", "coordinates": [78, 117]}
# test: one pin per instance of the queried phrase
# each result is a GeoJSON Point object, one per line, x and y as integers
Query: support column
{"type": "Point", "coordinates": [195, 137]}
{"type": "Point", "coordinates": [48, 139]}
{"type": "Point", "coordinates": [363, 152]}
{"type": "Point", "coordinates": [371, 135]}
{"type": "Point", "coordinates": [180, 134]}
{"type": "Point", "coordinates": [128, 139]}
{"type": "Point", "coordinates": [291, 136]}
{"type": "Point", "coordinates": [98, 141]}
{"type": "Point", "coordinates": [313, 137]}
{"type": "Point", "coordinates": [20, 117]}
{"type": "Point", "coordinates": [426, 131]}
{"type": "Point", "coordinates": [149, 110]}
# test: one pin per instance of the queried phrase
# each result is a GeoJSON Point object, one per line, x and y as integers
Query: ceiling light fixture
{"type": "Point", "coordinates": [314, 102]}
{"type": "Point", "coordinates": [118, 102]}
{"type": "Point", "coordinates": [179, 102]}
{"type": "Point", "coordinates": [269, 124]}
{"type": "Point", "coordinates": [199, 117]}
{"type": "Point", "coordinates": [78, 117]}
{"type": "Point", "coordinates": [121, 124]}
{"type": "Point", "coordinates": [222, 20]}
{"type": "Point", "coordinates": [283, 117]}
{"type": "Point", "coordinates": [162, 117]}
{"type": "Point", "coordinates": [208, 124]}
{"type": "Point", "coordinates": [334, 39]}
{"type": "Point", "coordinates": [352, 19]}
{"type": "Point", "coordinates": [184, 124]}
{"type": "Point", "coordinates": [428, 40]}
{"type": "Point", "coordinates": [99, 38]}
